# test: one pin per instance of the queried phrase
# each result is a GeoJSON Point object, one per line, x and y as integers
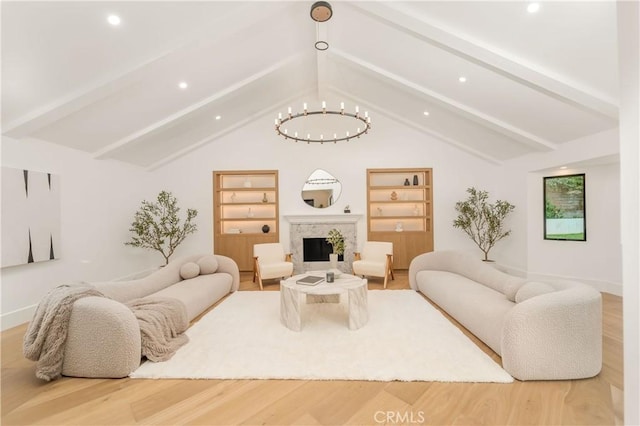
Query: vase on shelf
{"type": "Point", "coordinates": [406, 182]}
{"type": "Point", "coordinates": [264, 197]}
{"type": "Point", "coordinates": [233, 197]}
{"type": "Point", "coordinates": [333, 260]}
{"type": "Point", "coordinates": [247, 183]}
{"type": "Point", "coordinates": [249, 213]}
{"type": "Point", "coordinates": [394, 195]}
{"type": "Point", "coordinates": [265, 229]}
{"type": "Point", "coordinates": [415, 179]}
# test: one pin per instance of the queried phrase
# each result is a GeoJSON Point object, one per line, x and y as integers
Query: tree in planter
{"type": "Point", "coordinates": [157, 226]}
{"type": "Point", "coordinates": [482, 221]}
{"type": "Point", "coordinates": [336, 240]}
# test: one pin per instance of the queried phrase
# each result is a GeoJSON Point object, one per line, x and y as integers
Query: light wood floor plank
{"type": "Point", "coordinates": [27, 400]}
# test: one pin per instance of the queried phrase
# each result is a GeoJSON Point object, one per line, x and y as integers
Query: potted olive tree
{"type": "Point", "coordinates": [157, 226]}
{"type": "Point", "coordinates": [482, 221]}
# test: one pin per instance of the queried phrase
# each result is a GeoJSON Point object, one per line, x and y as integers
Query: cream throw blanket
{"type": "Point", "coordinates": [47, 331]}
{"type": "Point", "coordinates": [162, 321]}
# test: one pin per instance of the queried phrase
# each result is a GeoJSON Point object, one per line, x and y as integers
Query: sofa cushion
{"type": "Point", "coordinates": [189, 270]}
{"type": "Point", "coordinates": [199, 293]}
{"type": "Point", "coordinates": [511, 288]}
{"type": "Point", "coordinates": [208, 264]}
{"type": "Point", "coordinates": [480, 309]}
{"type": "Point", "coordinates": [533, 289]}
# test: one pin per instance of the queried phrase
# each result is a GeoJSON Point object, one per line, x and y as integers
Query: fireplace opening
{"type": "Point", "coordinates": [317, 250]}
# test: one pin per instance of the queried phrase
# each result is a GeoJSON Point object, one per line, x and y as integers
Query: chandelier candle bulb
{"type": "Point", "coordinates": [305, 120]}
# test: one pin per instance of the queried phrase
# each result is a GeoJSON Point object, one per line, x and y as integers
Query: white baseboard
{"type": "Point", "coordinates": [13, 319]}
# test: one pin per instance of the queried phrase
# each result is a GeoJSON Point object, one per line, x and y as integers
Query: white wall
{"type": "Point", "coordinates": [629, 65]}
{"type": "Point", "coordinates": [389, 144]}
{"type": "Point", "coordinates": [598, 261]}
{"type": "Point", "coordinates": [98, 200]}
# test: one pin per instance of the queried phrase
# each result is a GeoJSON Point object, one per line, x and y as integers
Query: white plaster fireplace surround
{"type": "Point", "coordinates": [318, 226]}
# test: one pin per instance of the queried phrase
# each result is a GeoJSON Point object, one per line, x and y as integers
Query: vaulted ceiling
{"type": "Point", "coordinates": [533, 80]}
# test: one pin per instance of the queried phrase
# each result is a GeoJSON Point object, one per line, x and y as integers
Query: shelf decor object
{"type": "Point", "coordinates": [241, 214]}
{"type": "Point", "coordinates": [407, 221]}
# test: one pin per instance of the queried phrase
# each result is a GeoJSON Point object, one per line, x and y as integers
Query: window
{"type": "Point", "coordinates": [564, 208]}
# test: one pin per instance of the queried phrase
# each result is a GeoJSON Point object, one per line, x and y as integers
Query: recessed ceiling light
{"type": "Point", "coordinates": [462, 79]}
{"type": "Point", "coordinates": [563, 167]}
{"type": "Point", "coordinates": [426, 113]}
{"type": "Point", "coordinates": [533, 7]}
{"type": "Point", "coordinates": [113, 20]}
{"type": "Point", "coordinates": [218, 117]}
{"type": "Point", "coordinates": [183, 85]}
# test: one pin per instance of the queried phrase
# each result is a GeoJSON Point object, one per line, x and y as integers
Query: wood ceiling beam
{"type": "Point", "coordinates": [488, 57]}
{"type": "Point", "coordinates": [485, 120]}
{"type": "Point", "coordinates": [221, 28]}
{"type": "Point", "coordinates": [185, 113]}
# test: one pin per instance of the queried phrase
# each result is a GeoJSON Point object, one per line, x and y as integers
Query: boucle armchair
{"type": "Point", "coordinates": [104, 335]}
{"type": "Point", "coordinates": [542, 330]}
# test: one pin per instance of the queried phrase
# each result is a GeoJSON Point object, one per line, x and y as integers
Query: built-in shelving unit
{"type": "Point", "coordinates": [400, 210]}
{"type": "Point", "coordinates": [244, 201]}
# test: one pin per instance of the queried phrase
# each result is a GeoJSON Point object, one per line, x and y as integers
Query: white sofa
{"type": "Point", "coordinates": [542, 330]}
{"type": "Point", "coordinates": [104, 336]}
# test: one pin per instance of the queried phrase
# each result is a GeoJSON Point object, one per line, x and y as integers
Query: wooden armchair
{"type": "Point", "coordinates": [375, 260]}
{"type": "Point", "coordinates": [270, 261]}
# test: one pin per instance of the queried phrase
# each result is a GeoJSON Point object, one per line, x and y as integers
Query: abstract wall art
{"type": "Point", "coordinates": [30, 216]}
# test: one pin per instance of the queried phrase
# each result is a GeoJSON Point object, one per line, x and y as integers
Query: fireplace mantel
{"type": "Point", "coordinates": [318, 226]}
{"type": "Point", "coordinates": [324, 218]}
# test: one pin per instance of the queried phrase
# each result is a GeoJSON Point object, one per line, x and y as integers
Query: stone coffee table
{"type": "Point", "coordinates": [291, 294]}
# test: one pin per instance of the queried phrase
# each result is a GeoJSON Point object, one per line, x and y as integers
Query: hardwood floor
{"type": "Point", "coordinates": [27, 400]}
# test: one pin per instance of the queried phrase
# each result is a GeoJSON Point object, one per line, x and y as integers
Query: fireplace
{"type": "Point", "coordinates": [317, 250]}
{"type": "Point", "coordinates": [317, 227]}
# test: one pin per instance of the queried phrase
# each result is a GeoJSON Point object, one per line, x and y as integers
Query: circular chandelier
{"type": "Point", "coordinates": [361, 126]}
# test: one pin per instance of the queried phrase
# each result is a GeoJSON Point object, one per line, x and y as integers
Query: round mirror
{"type": "Point", "coordinates": [321, 189]}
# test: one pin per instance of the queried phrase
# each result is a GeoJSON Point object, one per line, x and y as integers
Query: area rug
{"type": "Point", "coordinates": [406, 339]}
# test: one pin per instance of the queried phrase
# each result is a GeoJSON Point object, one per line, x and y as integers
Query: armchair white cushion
{"type": "Point", "coordinates": [376, 259]}
{"type": "Point", "coordinates": [270, 261]}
